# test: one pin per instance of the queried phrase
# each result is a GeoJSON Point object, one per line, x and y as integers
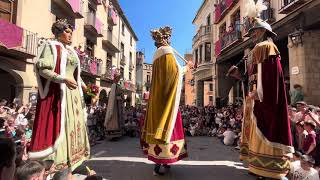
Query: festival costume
{"type": "Point", "coordinates": [162, 133]}
{"type": "Point", "coordinates": [114, 121]}
{"type": "Point", "coordinates": [59, 131]}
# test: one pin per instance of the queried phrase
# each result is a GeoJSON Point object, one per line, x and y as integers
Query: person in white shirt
{"type": "Point", "coordinates": [303, 169]}
{"type": "Point", "coordinates": [229, 137]}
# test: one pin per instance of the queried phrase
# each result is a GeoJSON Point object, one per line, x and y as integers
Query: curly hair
{"type": "Point", "coordinates": [59, 26]}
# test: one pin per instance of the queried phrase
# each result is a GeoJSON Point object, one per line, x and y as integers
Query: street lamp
{"type": "Point", "coordinates": [296, 37]}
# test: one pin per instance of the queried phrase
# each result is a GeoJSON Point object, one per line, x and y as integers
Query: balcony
{"type": "Point", "coordinates": [288, 6]}
{"type": "Point", "coordinates": [123, 60]}
{"type": "Point", "coordinates": [267, 15]}
{"type": "Point", "coordinates": [17, 42]}
{"type": "Point", "coordinates": [110, 42]}
{"type": "Point", "coordinates": [205, 32]}
{"type": "Point", "coordinates": [90, 65]}
{"type": "Point", "coordinates": [72, 8]}
{"type": "Point", "coordinates": [108, 74]}
{"type": "Point", "coordinates": [222, 9]}
{"type": "Point", "coordinates": [230, 38]}
{"type": "Point", "coordinates": [112, 16]}
{"type": "Point", "coordinates": [93, 25]}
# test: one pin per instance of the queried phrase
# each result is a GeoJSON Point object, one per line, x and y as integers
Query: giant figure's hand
{"type": "Point", "coordinates": [71, 83]}
{"type": "Point", "coordinates": [234, 72]}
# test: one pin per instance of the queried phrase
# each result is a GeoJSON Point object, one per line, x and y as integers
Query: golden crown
{"type": "Point", "coordinates": [162, 35]}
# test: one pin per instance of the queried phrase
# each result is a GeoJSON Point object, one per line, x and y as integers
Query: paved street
{"type": "Point", "coordinates": [208, 160]}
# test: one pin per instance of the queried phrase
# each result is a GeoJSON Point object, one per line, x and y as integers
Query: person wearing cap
{"type": "Point", "coordinates": [303, 169]}
{"type": "Point", "coordinates": [310, 141]}
{"type": "Point", "coordinates": [162, 132]}
{"type": "Point", "coordinates": [114, 120]}
{"type": "Point", "coordinates": [266, 140]}
{"type": "Point", "coordinates": [296, 94]}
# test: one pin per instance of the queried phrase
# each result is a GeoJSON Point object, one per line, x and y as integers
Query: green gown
{"type": "Point", "coordinates": [75, 147]}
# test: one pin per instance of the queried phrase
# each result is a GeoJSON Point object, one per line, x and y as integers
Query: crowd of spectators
{"type": "Point", "coordinates": [16, 121]}
{"type": "Point", "coordinates": [224, 123]}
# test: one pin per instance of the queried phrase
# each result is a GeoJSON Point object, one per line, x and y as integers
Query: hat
{"type": "Point", "coordinates": [308, 159]}
{"type": "Point", "coordinates": [259, 23]}
{"type": "Point", "coordinates": [301, 102]}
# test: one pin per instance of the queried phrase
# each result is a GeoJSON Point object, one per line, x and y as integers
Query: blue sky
{"type": "Point", "coordinates": [145, 15]}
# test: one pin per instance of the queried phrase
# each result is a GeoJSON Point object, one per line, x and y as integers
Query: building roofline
{"type": "Point", "coordinates": [147, 63]}
{"type": "Point", "coordinates": [116, 4]}
{"type": "Point", "coordinates": [199, 10]}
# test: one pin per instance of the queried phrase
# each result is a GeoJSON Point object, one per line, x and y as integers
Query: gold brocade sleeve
{"type": "Point", "coordinates": [263, 50]}
{"type": "Point", "coordinates": [165, 76]}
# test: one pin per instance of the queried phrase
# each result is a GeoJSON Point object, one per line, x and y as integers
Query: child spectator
{"type": "Point", "coordinates": [310, 143]}
{"type": "Point", "coordinates": [31, 170]}
{"type": "Point", "coordinates": [303, 169]}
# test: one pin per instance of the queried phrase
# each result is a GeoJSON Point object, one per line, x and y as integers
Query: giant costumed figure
{"type": "Point", "coordinates": [266, 139]}
{"type": "Point", "coordinates": [114, 122]}
{"type": "Point", "coordinates": [162, 133]}
{"type": "Point", "coordinates": [59, 131]}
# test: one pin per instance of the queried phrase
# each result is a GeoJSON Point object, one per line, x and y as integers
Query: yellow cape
{"type": "Point", "coordinates": [162, 105]}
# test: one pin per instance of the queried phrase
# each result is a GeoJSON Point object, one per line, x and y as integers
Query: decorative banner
{"type": "Point", "coordinates": [99, 26]}
{"type": "Point", "coordinates": [75, 5]}
{"type": "Point", "coordinates": [93, 68]}
{"type": "Point", "coordinates": [10, 35]}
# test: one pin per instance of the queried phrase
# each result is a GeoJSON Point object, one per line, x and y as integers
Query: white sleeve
{"type": "Point", "coordinates": [259, 83]}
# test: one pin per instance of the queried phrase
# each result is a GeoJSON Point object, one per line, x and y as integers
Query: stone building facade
{"type": "Point", "coordinates": [295, 22]}
{"type": "Point", "coordinates": [102, 31]}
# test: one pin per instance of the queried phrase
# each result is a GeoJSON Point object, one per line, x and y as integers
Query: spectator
{"type": "Point", "coordinates": [31, 170]}
{"type": "Point", "coordinates": [303, 169]}
{"type": "Point", "coordinates": [300, 136]}
{"type": "Point", "coordinates": [304, 113]}
{"type": "Point", "coordinates": [296, 94]}
{"type": "Point", "coordinates": [310, 141]}
{"type": "Point", "coordinates": [229, 137]}
{"type": "Point", "coordinates": [7, 159]}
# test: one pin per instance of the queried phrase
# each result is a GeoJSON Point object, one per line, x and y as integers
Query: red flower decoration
{"type": "Point", "coordinates": [92, 90]}
{"type": "Point", "coordinates": [157, 150]}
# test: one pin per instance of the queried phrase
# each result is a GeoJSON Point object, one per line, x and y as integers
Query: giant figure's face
{"type": "Point", "coordinates": [66, 36]}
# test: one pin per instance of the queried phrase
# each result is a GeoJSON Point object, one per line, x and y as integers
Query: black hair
{"type": "Point", "coordinates": [29, 169]}
{"type": "Point", "coordinates": [7, 152]}
{"type": "Point", "coordinates": [59, 27]}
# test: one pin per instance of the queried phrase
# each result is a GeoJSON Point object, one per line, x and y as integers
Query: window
{"type": "Point", "coordinates": [200, 50]}
{"type": "Point", "coordinates": [122, 28]}
{"type": "Point", "coordinates": [109, 62]}
{"type": "Point", "coordinates": [235, 22]}
{"type": "Point", "coordinates": [122, 72]}
{"type": "Point", "coordinates": [122, 51]}
{"type": "Point", "coordinates": [210, 98]}
{"type": "Point", "coordinates": [130, 57]}
{"type": "Point", "coordinates": [131, 40]}
{"type": "Point", "coordinates": [196, 57]}
{"type": "Point", "coordinates": [210, 87]}
{"type": "Point", "coordinates": [207, 52]}
{"type": "Point", "coordinates": [8, 10]}
{"type": "Point", "coordinates": [208, 20]}
{"type": "Point", "coordinates": [222, 30]}
{"type": "Point", "coordinates": [130, 75]}
{"type": "Point", "coordinates": [89, 48]}
{"type": "Point", "coordinates": [148, 78]}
